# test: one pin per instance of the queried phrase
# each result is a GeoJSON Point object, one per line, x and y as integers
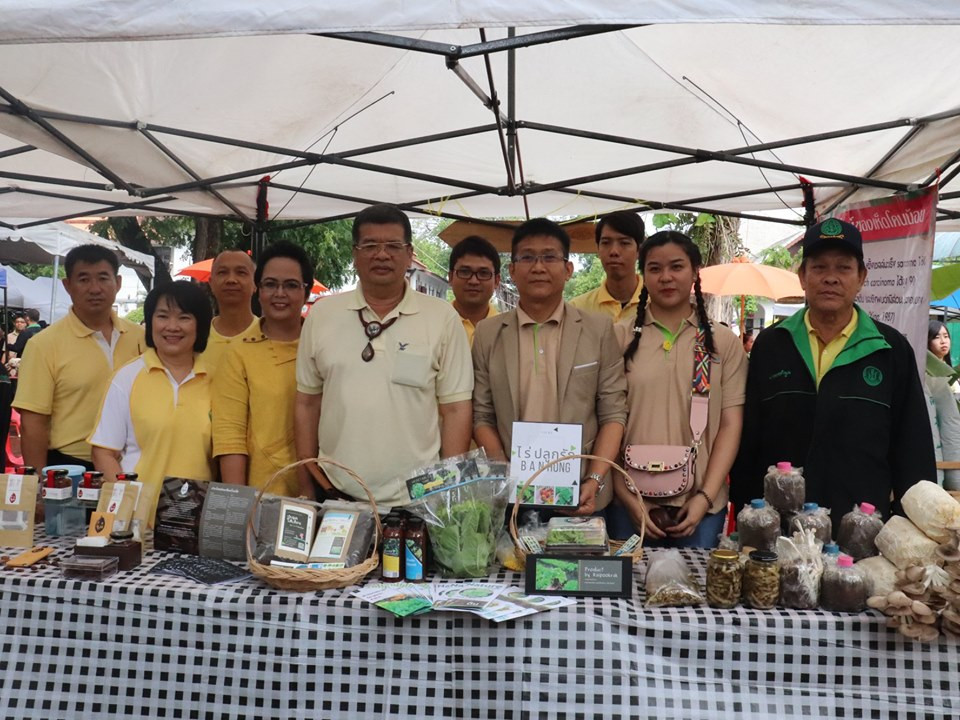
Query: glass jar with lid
{"type": "Point", "coordinates": [724, 578]}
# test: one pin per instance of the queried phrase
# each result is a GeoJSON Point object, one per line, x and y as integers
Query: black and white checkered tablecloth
{"type": "Point", "coordinates": [145, 645]}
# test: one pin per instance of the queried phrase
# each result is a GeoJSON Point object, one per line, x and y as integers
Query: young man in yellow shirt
{"type": "Point", "coordinates": [474, 277]}
{"type": "Point", "coordinates": [619, 236]}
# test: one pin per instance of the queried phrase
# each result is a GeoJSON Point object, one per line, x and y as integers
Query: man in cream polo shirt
{"type": "Point", "coordinates": [66, 368]}
{"type": "Point", "coordinates": [384, 377]}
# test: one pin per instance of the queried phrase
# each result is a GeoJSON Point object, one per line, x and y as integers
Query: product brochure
{"type": "Point", "coordinates": [492, 601]}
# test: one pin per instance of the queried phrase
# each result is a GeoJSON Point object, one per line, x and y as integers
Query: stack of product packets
{"type": "Point", "coordinates": [577, 535]}
{"type": "Point", "coordinates": [495, 602]}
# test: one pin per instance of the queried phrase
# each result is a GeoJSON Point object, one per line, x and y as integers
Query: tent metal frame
{"type": "Point", "coordinates": [505, 124]}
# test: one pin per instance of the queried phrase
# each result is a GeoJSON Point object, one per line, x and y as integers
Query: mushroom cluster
{"type": "Point", "coordinates": [926, 600]}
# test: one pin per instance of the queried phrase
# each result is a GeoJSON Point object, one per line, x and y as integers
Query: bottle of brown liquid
{"type": "Point", "coordinates": [414, 550]}
{"type": "Point", "coordinates": [391, 566]}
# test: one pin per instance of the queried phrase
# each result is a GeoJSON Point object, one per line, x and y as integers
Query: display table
{"type": "Point", "coordinates": [146, 645]}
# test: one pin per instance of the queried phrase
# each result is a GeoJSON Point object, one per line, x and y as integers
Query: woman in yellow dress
{"type": "Point", "coordinates": [255, 385]}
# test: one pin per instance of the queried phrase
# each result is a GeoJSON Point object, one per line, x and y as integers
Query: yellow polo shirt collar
{"type": "Point", "coordinates": [468, 325]}
{"type": "Point", "coordinates": [78, 328]}
{"type": "Point", "coordinates": [823, 359]}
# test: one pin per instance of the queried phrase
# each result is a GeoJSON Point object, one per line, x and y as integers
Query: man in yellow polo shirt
{"type": "Point", "coordinates": [474, 277]}
{"type": "Point", "coordinates": [384, 378]}
{"type": "Point", "coordinates": [231, 282]}
{"type": "Point", "coordinates": [619, 236]}
{"type": "Point", "coordinates": [66, 368]}
{"type": "Point", "coordinates": [834, 391]}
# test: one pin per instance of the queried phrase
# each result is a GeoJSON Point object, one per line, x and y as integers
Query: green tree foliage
{"type": "Point", "coordinates": [328, 245]}
{"type": "Point", "coordinates": [34, 271]}
{"type": "Point", "coordinates": [135, 315]}
{"type": "Point", "coordinates": [430, 248]}
{"type": "Point", "coordinates": [780, 257]}
{"type": "Point", "coordinates": [589, 276]}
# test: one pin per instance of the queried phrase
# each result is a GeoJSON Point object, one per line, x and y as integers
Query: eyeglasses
{"type": "Point", "coordinates": [391, 248]}
{"type": "Point", "coordinates": [465, 273]}
{"type": "Point", "coordinates": [373, 329]}
{"type": "Point", "coordinates": [289, 286]}
{"type": "Point", "coordinates": [548, 259]}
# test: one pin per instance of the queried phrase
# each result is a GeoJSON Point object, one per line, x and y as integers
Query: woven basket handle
{"type": "Point", "coordinates": [252, 533]}
{"type": "Point", "coordinates": [514, 533]}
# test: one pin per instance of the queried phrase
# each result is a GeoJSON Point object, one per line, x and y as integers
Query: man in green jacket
{"type": "Point", "coordinates": [834, 391]}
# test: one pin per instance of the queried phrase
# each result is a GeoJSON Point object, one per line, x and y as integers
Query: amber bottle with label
{"type": "Point", "coordinates": [391, 564]}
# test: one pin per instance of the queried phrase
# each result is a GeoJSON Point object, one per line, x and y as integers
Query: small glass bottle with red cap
{"type": "Point", "coordinates": [88, 493]}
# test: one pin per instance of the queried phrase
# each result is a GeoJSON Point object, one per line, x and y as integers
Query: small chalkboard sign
{"type": "Point", "coordinates": [579, 576]}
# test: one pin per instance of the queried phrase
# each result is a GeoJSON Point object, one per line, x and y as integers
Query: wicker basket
{"type": "Point", "coordinates": [521, 551]}
{"type": "Point", "coordinates": [307, 580]}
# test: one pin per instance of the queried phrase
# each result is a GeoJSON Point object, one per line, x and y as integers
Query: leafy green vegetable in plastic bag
{"type": "Point", "coordinates": [465, 520]}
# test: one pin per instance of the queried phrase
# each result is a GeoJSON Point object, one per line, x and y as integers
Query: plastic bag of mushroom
{"type": "Point", "coordinates": [926, 600]}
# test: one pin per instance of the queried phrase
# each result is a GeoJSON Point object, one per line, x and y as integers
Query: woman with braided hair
{"type": "Point", "coordinates": [674, 353]}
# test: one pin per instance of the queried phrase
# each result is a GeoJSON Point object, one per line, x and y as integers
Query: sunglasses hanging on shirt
{"type": "Point", "coordinates": [373, 329]}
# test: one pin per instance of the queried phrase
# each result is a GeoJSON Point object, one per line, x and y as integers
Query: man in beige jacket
{"type": "Point", "coordinates": [547, 361]}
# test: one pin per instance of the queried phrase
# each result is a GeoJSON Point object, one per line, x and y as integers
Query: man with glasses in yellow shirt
{"type": "Point", "coordinates": [474, 277]}
{"type": "Point", "coordinates": [384, 378]}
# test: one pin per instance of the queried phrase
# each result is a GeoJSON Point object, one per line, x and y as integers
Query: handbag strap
{"type": "Point", "coordinates": [700, 400]}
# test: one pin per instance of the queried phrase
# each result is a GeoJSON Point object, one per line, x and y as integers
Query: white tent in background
{"type": "Point", "coordinates": [22, 292]}
{"type": "Point", "coordinates": [145, 106]}
{"type": "Point", "coordinates": [47, 244]}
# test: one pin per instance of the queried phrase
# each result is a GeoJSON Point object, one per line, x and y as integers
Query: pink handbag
{"type": "Point", "coordinates": [661, 471]}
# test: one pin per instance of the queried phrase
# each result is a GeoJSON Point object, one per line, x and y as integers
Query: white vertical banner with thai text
{"type": "Point", "coordinates": [898, 252]}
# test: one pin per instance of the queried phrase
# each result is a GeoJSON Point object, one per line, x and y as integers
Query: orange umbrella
{"type": "Point", "coordinates": [742, 277]}
{"type": "Point", "coordinates": [201, 271]}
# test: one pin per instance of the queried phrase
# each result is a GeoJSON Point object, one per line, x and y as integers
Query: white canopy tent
{"type": "Point", "coordinates": [155, 107]}
{"type": "Point", "coordinates": [47, 244]}
{"type": "Point", "coordinates": [22, 292]}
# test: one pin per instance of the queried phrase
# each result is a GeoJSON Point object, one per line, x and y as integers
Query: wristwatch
{"type": "Point", "coordinates": [599, 478]}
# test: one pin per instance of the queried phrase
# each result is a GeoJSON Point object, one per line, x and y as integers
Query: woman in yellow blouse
{"type": "Point", "coordinates": [255, 386]}
{"type": "Point", "coordinates": [155, 417]}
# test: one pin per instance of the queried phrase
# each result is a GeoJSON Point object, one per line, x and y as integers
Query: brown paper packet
{"type": "Point", "coordinates": [17, 507]}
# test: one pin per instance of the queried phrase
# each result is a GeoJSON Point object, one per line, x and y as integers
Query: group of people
{"type": "Point", "coordinates": [383, 379]}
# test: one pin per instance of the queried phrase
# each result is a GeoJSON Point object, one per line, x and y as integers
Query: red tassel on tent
{"type": "Point", "coordinates": [263, 207]}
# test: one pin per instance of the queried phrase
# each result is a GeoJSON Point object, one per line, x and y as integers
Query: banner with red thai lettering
{"type": "Point", "coordinates": [898, 252]}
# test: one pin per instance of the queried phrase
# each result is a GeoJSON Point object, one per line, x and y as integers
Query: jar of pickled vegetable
{"type": "Point", "coordinates": [724, 578]}
{"type": "Point", "coordinates": [761, 580]}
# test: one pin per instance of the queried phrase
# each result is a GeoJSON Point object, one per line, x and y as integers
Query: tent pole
{"type": "Point", "coordinates": [21, 108]}
{"type": "Point", "coordinates": [482, 48]}
{"type": "Point", "coordinates": [949, 176]}
{"type": "Point", "coordinates": [16, 151]}
{"type": "Point", "coordinates": [56, 275]}
{"type": "Point", "coordinates": [56, 181]}
{"type": "Point", "coordinates": [189, 171]}
{"type": "Point", "coordinates": [654, 205]}
{"type": "Point", "coordinates": [912, 133]}
{"type": "Point", "coordinates": [512, 104]}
